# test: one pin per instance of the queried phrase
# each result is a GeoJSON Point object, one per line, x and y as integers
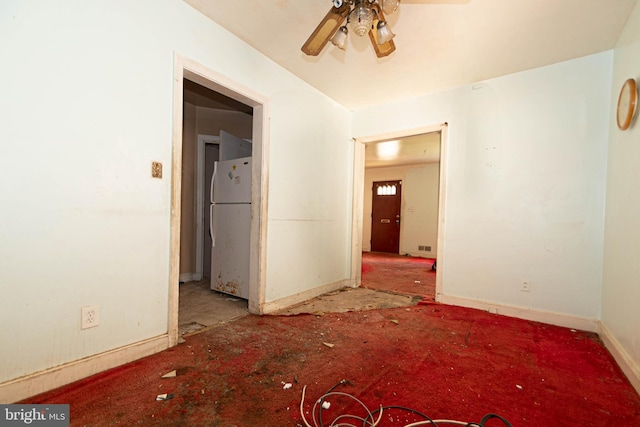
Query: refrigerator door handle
{"type": "Point", "coordinates": [213, 178]}
{"type": "Point", "coordinates": [213, 237]}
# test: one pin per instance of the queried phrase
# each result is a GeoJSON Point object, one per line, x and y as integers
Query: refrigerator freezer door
{"type": "Point", "coordinates": [231, 226]}
{"type": "Point", "coordinates": [232, 147]}
{"type": "Point", "coordinates": [231, 181]}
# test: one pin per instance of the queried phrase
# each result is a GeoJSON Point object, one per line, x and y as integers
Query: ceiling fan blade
{"type": "Point", "coordinates": [384, 49]}
{"type": "Point", "coordinates": [326, 29]}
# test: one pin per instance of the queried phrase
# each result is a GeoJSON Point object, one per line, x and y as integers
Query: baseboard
{"type": "Point", "coordinates": [422, 254]}
{"type": "Point", "coordinates": [190, 277]}
{"type": "Point", "coordinates": [292, 300]}
{"type": "Point", "coordinates": [549, 317]}
{"type": "Point", "coordinates": [626, 363]}
{"type": "Point", "coordinates": [40, 382]}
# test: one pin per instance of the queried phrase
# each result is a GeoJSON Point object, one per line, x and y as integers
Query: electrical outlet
{"type": "Point", "coordinates": [90, 317]}
{"type": "Point", "coordinates": [526, 286]}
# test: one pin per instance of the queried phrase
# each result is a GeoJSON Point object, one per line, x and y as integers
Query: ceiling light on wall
{"type": "Point", "coordinates": [363, 17]}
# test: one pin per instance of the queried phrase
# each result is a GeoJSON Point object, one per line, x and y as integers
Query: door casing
{"type": "Point", "coordinates": [186, 68]}
{"type": "Point", "coordinates": [358, 197]}
{"type": "Point", "coordinates": [201, 202]}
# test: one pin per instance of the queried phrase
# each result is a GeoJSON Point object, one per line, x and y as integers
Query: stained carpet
{"type": "Point", "coordinates": [446, 362]}
{"type": "Point", "coordinates": [399, 274]}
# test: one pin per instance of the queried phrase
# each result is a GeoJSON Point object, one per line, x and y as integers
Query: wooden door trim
{"type": "Point", "coordinates": [187, 68]}
{"type": "Point", "coordinates": [200, 200]}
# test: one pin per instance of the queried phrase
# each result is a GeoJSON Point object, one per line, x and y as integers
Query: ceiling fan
{"type": "Point", "coordinates": [362, 16]}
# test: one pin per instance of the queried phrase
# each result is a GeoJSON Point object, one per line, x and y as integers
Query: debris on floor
{"type": "Point", "coordinates": [170, 374]}
{"type": "Point", "coordinates": [164, 396]}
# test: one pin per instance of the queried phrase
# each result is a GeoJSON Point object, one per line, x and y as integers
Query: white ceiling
{"type": "Point", "coordinates": [413, 150]}
{"type": "Point", "coordinates": [440, 43]}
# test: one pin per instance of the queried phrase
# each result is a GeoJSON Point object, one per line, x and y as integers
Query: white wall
{"type": "Point", "coordinates": [86, 106]}
{"type": "Point", "coordinates": [525, 177]}
{"type": "Point", "coordinates": [311, 183]}
{"type": "Point", "coordinates": [621, 284]}
{"type": "Point", "coordinates": [211, 121]}
{"type": "Point", "coordinates": [419, 210]}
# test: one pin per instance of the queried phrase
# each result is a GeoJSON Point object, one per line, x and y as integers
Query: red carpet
{"type": "Point", "coordinates": [446, 362]}
{"type": "Point", "coordinates": [399, 274]}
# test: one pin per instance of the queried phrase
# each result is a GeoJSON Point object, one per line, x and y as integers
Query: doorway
{"type": "Point", "coordinates": [199, 305]}
{"type": "Point", "coordinates": [419, 242]}
{"type": "Point", "coordinates": [188, 73]}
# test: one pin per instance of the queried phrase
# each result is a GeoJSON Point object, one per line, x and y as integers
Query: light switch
{"type": "Point", "coordinates": [156, 170]}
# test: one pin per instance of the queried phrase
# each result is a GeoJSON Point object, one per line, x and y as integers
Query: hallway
{"type": "Point", "coordinates": [404, 275]}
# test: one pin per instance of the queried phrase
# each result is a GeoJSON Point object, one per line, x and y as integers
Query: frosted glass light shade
{"type": "Point", "coordinates": [361, 19]}
{"type": "Point", "coordinates": [340, 38]}
{"type": "Point", "coordinates": [389, 6]}
{"type": "Point", "coordinates": [384, 32]}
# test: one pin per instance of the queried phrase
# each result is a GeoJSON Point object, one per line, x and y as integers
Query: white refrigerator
{"type": "Point", "coordinates": [230, 228]}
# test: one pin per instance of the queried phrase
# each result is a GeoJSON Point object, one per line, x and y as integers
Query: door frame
{"type": "Point", "coordinates": [200, 167]}
{"type": "Point", "coordinates": [360, 144]}
{"type": "Point", "coordinates": [186, 68]}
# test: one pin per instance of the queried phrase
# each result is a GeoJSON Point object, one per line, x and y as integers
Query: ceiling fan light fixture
{"type": "Point", "coordinates": [339, 39]}
{"type": "Point", "coordinates": [361, 19]}
{"type": "Point", "coordinates": [384, 32]}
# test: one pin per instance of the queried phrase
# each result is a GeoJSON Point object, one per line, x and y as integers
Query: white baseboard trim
{"type": "Point", "coordinates": [190, 277]}
{"type": "Point", "coordinates": [30, 385]}
{"type": "Point", "coordinates": [291, 300]}
{"type": "Point", "coordinates": [626, 363]}
{"type": "Point", "coordinates": [421, 254]}
{"type": "Point", "coordinates": [549, 317]}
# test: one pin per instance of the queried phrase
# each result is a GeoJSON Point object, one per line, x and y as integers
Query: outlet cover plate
{"type": "Point", "coordinates": [90, 317]}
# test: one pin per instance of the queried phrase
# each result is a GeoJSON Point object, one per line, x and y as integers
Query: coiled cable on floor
{"type": "Point", "coordinates": [369, 420]}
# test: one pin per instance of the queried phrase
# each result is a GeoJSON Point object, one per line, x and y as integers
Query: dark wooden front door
{"type": "Point", "coordinates": [385, 216]}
